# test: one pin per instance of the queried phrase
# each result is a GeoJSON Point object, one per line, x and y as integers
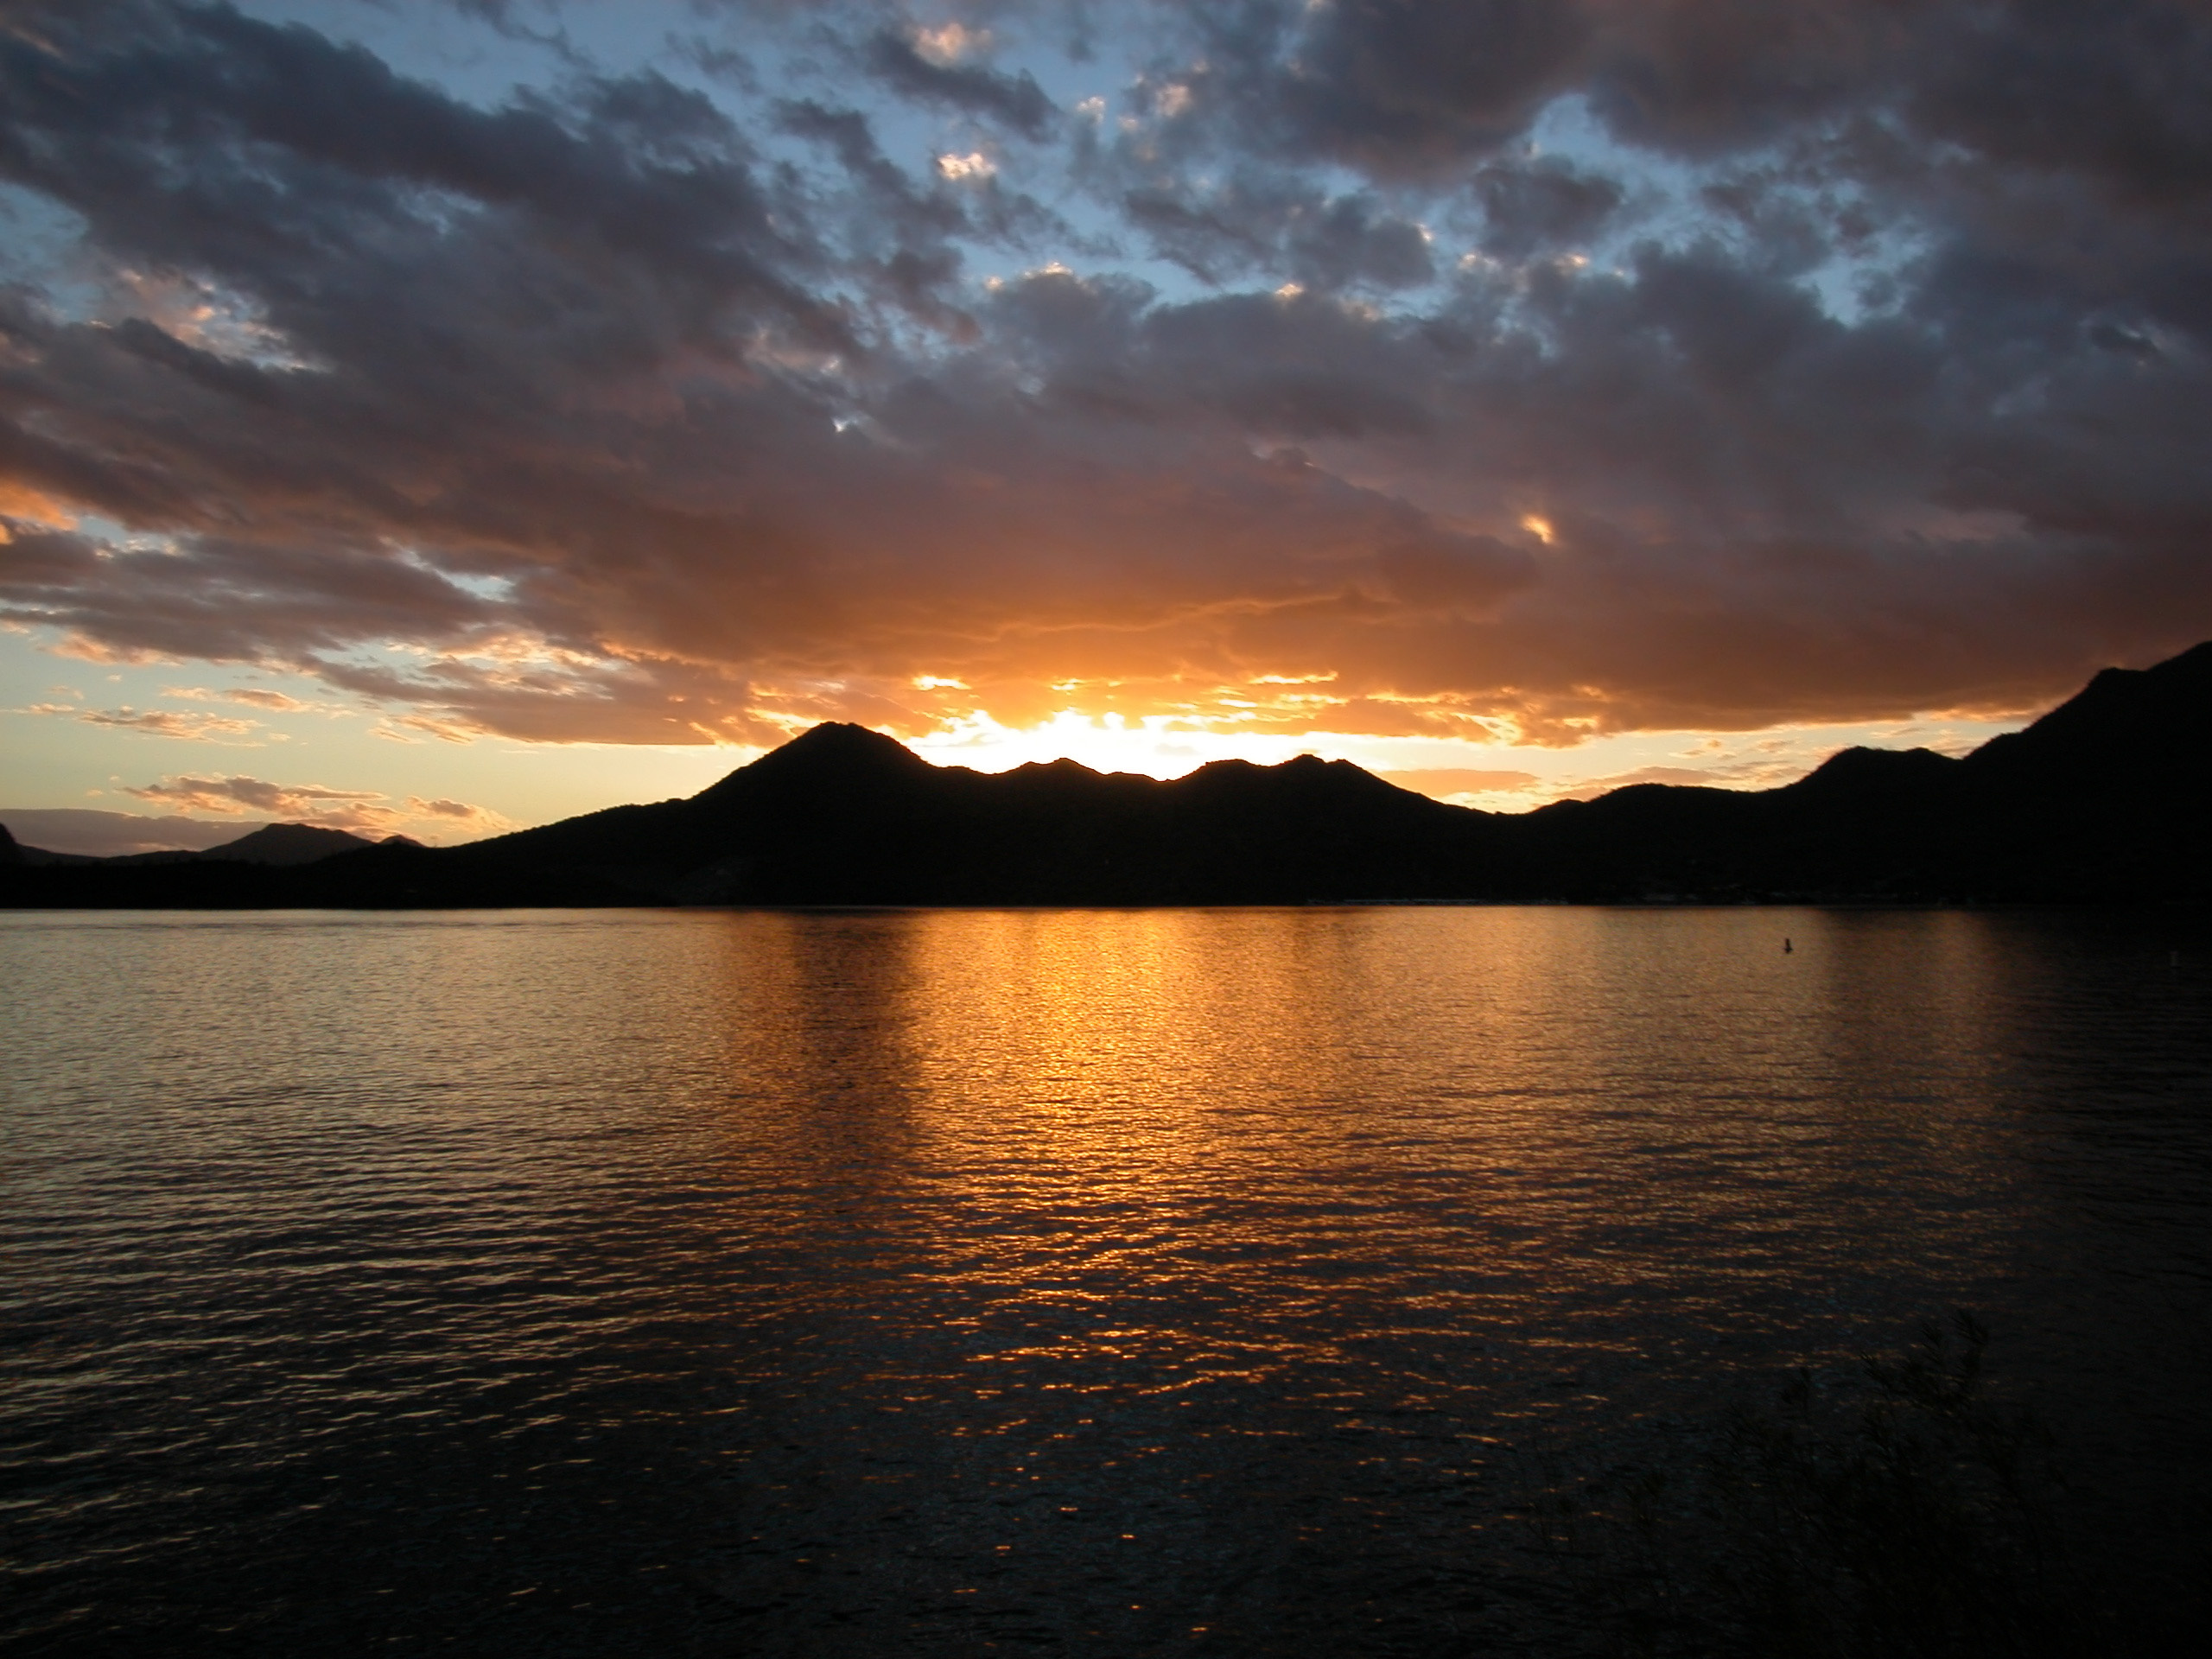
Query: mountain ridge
{"type": "Point", "coordinates": [282, 845]}
{"type": "Point", "coordinates": [2103, 798]}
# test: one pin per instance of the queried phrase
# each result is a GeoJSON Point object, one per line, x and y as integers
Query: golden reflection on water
{"type": "Point", "coordinates": [1120, 1228]}
{"type": "Point", "coordinates": [1237, 1141]}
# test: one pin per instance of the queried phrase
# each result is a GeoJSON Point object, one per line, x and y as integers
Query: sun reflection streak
{"type": "Point", "coordinates": [1166, 1153]}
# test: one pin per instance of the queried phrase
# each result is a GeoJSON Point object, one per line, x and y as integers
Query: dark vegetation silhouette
{"type": "Point", "coordinates": [2103, 800]}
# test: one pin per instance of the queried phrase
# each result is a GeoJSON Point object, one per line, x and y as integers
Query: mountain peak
{"type": "Point", "coordinates": [834, 752]}
{"type": "Point", "coordinates": [1060, 770]}
{"type": "Point", "coordinates": [287, 844]}
{"type": "Point", "coordinates": [1862, 770]}
{"type": "Point", "coordinates": [2138, 721]}
{"type": "Point", "coordinates": [837, 742]}
{"type": "Point", "coordinates": [1304, 775]}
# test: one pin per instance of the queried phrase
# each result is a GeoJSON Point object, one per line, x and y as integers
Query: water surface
{"type": "Point", "coordinates": [1110, 1282]}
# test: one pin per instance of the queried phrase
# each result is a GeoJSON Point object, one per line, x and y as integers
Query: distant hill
{"type": "Point", "coordinates": [283, 845]}
{"type": "Point", "coordinates": [2103, 800]}
{"type": "Point", "coordinates": [84, 832]}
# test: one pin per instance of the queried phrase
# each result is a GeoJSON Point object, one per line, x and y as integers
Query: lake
{"type": "Point", "coordinates": [1112, 1283]}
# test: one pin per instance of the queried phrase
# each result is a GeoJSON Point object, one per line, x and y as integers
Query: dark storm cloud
{"type": "Point", "coordinates": [225, 598]}
{"type": "Point", "coordinates": [1541, 205]}
{"type": "Point", "coordinates": [1406, 86]}
{"type": "Point", "coordinates": [1394, 86]}
{"type": "Point", "coordinates": [1269, 224]}
{"type": "Point", "coordinates": [611, 410]}
{"type": "Point", "coordinates": [206, 136]}
{"type": "Point", "coordinates": [1014, 101]}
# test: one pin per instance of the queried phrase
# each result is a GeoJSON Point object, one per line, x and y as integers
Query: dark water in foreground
{"type": "Point", "coordinates": [1090, 1282]}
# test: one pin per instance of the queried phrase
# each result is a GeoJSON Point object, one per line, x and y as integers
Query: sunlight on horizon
{"type": "Point", "coordinates": [1498, 777]}
{"type": "Point", "coordinates": [1159, 745]}
{"type": "Point", "coordinates": [304, 742]}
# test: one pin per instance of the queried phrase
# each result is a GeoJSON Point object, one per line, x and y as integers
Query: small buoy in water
{"type": "Point", "coordinates": [1787, 947]}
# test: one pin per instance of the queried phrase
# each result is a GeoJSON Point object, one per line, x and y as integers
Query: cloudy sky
{"type": "Point", "coordinates": [442, 414]}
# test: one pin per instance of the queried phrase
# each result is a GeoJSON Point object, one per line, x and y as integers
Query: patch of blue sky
{"type": "Point", "coordinates": [494, 589]}
{"type": "Point", "coordinates": [112, 534]}
{"type": "Point", "coordinates": [42, 246]}
{"type": "Point", "coordinates": [1675, 203]}
{"type": "Point", "coordinates": [42, 249]}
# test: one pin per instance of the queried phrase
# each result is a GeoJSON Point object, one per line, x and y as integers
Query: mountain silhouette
{"type": "Point", "coordinates": [2104, 798]}
{"type": "Point", "coordinates": [280, 844]}
{"type": "Point", "coordinates": [844, 815]}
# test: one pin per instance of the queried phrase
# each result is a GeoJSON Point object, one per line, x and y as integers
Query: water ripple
{"type": "Point", "coordinates": [932, 1283]}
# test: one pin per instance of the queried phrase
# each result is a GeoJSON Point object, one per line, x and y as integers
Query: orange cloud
{"type": "Point", "coordinates": [152, 722]}
{"type": "Point", "coordinates": [364, 811]}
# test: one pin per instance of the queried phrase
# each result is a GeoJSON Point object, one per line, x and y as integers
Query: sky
{"type": "Point", "coordinates": [442, 416]}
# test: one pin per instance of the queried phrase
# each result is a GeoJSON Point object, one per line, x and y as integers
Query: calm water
{"type": "Point", "coordinates": [949, 1282]}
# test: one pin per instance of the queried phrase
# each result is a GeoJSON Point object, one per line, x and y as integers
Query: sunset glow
{"type": "Point", "coordinates": [1535, 398]}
